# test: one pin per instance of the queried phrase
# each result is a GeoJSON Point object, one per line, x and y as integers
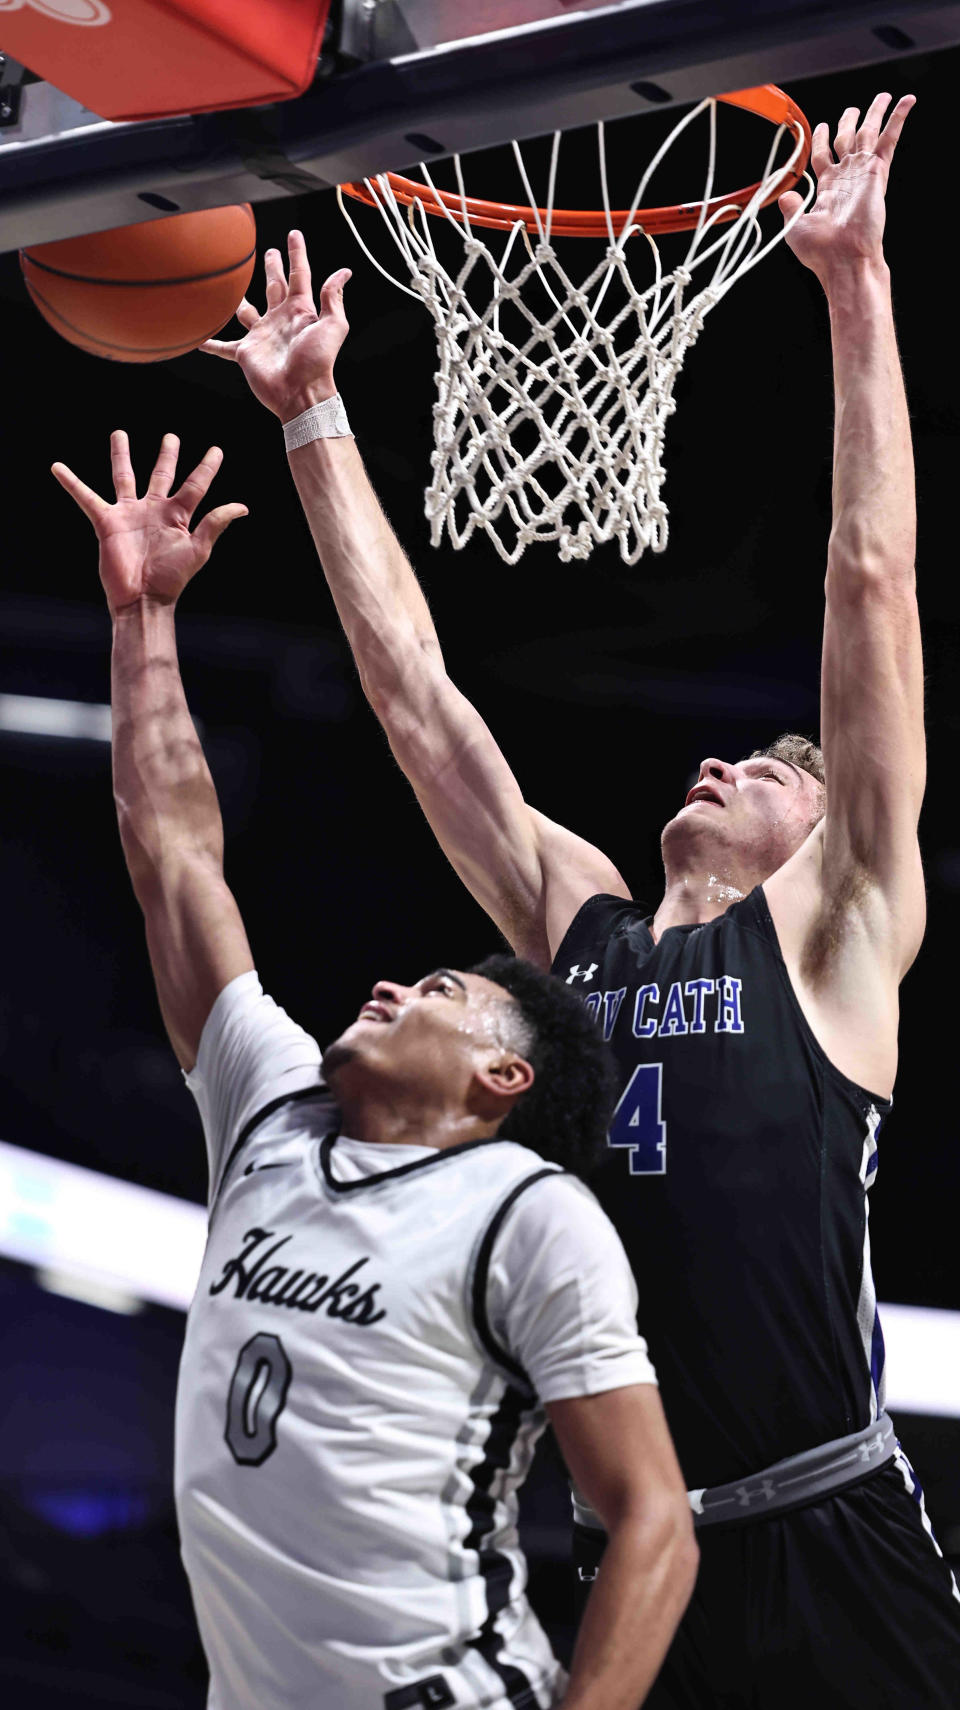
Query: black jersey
{"type": "Point", "coordinates": [739, 1165]}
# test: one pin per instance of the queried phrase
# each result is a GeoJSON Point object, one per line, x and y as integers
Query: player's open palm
{"type": "Point", "coordinates": [292, 346]}
{"type": "Point", "coordinates": [147, 551]}
{"type": "Point", "coordinates": [847, 218]}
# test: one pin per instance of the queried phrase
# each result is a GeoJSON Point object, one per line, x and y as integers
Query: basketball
{"type": "Point", "coordinates": [148, 292]}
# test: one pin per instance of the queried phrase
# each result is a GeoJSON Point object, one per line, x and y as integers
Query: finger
{"type": "Point", "coordinates": [790, 204]}
{"type": "Point", "coordinates": [124, 484]}
{"type": "Point", "coordinates": [866, 139]}
{"type": "Point", "coordinates": [208, 532]}
{"type": "Point", "coordinates": [227, 347]}
{"type": "Point", "coordinates": [90, 502]}
{"type": "Point", "coordinates": [301, 279]}
{"type": "Point", "coordinates": [893, 127]}
{"type": "Point", "coordinates": [821, 154]}
{"type": "Point", "coordinates": [196, 485]}
{"type": "Point", "coordinates": [165, 468]}
{"type": "Point", "coordinates": [331, 294]}
{"type": "Point", "coordinates": [246, 314]}
{"type": "Point", "coordinates": [276, 283]}
{"type": "Point", "coordinates": [846, 131]}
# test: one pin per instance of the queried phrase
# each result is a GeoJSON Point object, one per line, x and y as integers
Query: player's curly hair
{"type": "Point", "coordinates": [565, 1114]}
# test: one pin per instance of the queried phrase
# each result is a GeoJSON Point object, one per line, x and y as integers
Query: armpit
{"type": "Point", "coordinates": [840, 916]}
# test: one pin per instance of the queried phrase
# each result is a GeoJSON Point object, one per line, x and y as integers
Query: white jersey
{"type": "Point", "coordinates": [374, 1332]}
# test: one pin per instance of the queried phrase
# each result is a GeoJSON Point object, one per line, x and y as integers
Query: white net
{"type": "Point", "coordinates": [553, 395]}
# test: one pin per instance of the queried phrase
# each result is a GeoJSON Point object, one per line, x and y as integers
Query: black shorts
{"type": "Point", "coordinates": [844, 1603]}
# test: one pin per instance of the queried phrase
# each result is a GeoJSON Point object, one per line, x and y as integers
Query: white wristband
{"type": "Point", "coordinates": [322, 421]}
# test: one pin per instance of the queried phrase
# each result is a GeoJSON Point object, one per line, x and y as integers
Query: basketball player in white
{"type": "Point", "coordinates": [825, 889]}
{"type": "Point", "coordinates": [391, 1293]}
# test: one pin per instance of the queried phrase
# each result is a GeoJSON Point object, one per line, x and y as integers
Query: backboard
{"type": "Point", "coordinates": [397, 82]}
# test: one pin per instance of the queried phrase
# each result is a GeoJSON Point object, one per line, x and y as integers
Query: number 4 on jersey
{"type": "Point", "coordinates": [636, 1121]}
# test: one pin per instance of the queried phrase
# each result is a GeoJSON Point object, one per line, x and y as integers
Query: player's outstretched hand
{"type": "Point", "coordinates": [288, 353]}
{"type": "Point", "coordinates": [845, 223]}
{"type": "Point", "coordinates": [146, 549]}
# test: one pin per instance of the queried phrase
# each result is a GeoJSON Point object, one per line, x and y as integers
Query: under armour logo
{"type": "Point", "coordinates": [578, 973]}
{"type": "Point", "coordinates": [872, 1446]}
{"type": "Point", "coordinates": [764, 1492]}
{"type": "Point", "coordinates": [64, 11]}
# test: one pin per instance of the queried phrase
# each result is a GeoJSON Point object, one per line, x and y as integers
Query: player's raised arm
{"type": "Point", "coordinates": [530, 875]}
{"type": "Point", "coordinates": [167, 807]}
{"type": "Point", "coordinates": [872, 684]}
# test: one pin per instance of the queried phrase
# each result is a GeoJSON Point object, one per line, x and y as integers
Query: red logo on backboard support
{"type": "Point", "coordinates": [64, 11]}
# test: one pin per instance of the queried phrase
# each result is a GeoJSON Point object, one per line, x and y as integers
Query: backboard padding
{"type": "Point", "coordinates": [547, 74]}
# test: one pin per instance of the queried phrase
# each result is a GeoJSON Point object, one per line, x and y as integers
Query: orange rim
{"type": "Point", "coordinates": [767, 101]}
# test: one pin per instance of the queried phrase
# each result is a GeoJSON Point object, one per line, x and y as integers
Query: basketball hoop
{"type": "Point", "coordinates": [549, 421]}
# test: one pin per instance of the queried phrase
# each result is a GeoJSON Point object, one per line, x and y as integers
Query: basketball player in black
{"type": "Point", "coordinates": [753, 1017]}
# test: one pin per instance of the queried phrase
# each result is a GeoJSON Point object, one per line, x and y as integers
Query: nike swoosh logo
{"type": "Point", "coordinates": [252, 1168]}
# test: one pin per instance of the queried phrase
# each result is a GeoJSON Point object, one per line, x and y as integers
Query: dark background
{"type": "Point", "coordinates": [605, 686]}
